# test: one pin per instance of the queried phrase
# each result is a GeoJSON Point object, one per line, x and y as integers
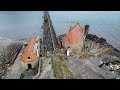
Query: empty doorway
{"type": "Point", "coordinates": [29, 66]}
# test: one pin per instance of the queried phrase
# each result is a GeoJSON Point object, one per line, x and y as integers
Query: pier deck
{"type": "Point", "coordinates": [49, 36]}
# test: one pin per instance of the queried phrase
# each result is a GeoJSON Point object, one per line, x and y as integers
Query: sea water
{"type": "Point", "coordinates": [25, 24]}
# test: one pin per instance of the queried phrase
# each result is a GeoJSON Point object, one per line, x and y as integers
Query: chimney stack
{"type": "Point", "coordinates": [70, 28]}
{"type": "Point", "coordinates": [86, 29]}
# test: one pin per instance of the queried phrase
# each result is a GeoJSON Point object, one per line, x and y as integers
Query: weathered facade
{"type": "Point", "coordinates": [30, 54]}
{"type": "Point", "coordinates": [74, 40]}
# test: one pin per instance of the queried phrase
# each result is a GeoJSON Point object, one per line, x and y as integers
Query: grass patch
{"type": "Point", "coordinates": [57, 69]}
{"type": "Point", "coordinates": [54, 67]}
{"type": "Point", "coordinates": [64, 69]}
{"type": "Point", "coordinates": [104, 51]}
{"type": "Point", "coordinates": [67, 74]}
{"type": "Point", "coordinates": [41, 67]}
{"type": "Point", "coordinates": [61, 58]}
{"type": "Point", "coordinates": [78, 77]}
{"type": "Point", "coordinates": [60, 68]}
{"type": "Point", "coordinates": [22, 75]}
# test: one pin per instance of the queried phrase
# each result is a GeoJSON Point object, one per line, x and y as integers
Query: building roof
{"type": "Point", "coordinates": [74, 35]}
{"type": "Point", "coordinates": [28, 51]}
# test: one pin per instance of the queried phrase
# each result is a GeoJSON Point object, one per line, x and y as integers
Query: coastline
{"type": "Point", "coordinates": [8, 51]}
{"type": "Point", "coordinates": [9, 46]}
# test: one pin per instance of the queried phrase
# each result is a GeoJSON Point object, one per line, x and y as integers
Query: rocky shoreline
{"type": "Point", "coordinates": [96, 47]}
{"type": "Point", "coordinates": [8, 52]}
{"type": "Point", "coordinates": [94, 44]}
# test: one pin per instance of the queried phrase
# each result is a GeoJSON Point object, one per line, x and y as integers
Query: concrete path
{"type": "Point", "coordinates": [15, 70]}
{"type": "Point", "coordinates": [88, 69]}
{"type": "Point", "coordinates": [47, 72]}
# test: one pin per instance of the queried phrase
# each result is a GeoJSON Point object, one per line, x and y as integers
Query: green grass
{"type": "Point", "coordinates": [22, 75]}
{"type": "Point", "coordinates": [61, 58]}
{"type": "Point", "coordinates": [61, 67]}
{"type": "Point", "coordinates": [54, 67]}
{"type": "Point", "coordinates": [41, 68]}
{"type": "Point", "coordinates": [65, 70]}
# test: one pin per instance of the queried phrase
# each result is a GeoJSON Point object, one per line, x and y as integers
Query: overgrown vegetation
{"type": "Point", "coordinates": [22, 75]}
{"type": "Point", "coordinates": [67, 74]}
{"type": "Point", "coordinates": [95, 54]}
{"type": "Point", "coordinates": [60, 68]}
{"type": "Point", "coordinates": [41, 68]}
{"type": "Point", "coordinates": [61, 58]}
{"type": "Point", "coordinates": [54, 67]}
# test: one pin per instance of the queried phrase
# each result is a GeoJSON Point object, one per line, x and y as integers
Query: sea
{"type": "Point", "coordinates": [25, 24]}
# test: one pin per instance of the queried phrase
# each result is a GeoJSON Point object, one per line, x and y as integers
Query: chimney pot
{"type": "Point", "coordinates": [86, 29]}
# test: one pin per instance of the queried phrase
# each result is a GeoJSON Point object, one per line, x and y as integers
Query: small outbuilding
{"type": "Point", "coordinates": [75, 38]}
{"type": "Point", "coordinates": [30, 55]}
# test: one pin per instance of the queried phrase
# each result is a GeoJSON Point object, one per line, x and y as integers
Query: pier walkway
{"type": "Point", "coordinates": [49, 36]}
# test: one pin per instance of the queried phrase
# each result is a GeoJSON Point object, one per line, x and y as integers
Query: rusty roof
{"type": "Point", "coordinates": [28, 51]}
{"type": "Point", "coordinates": [74, 35]}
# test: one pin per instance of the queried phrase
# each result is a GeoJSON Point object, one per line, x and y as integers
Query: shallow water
{"type": "Point", "coordinates": [24, 24]}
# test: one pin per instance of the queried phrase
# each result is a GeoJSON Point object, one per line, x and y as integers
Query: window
{"type": "Point", "coordinates": [36, 41]}
{"type": "Point", "coordinates": [28, 57]}
{"type": "Point", "coordinates": [40, 55]}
